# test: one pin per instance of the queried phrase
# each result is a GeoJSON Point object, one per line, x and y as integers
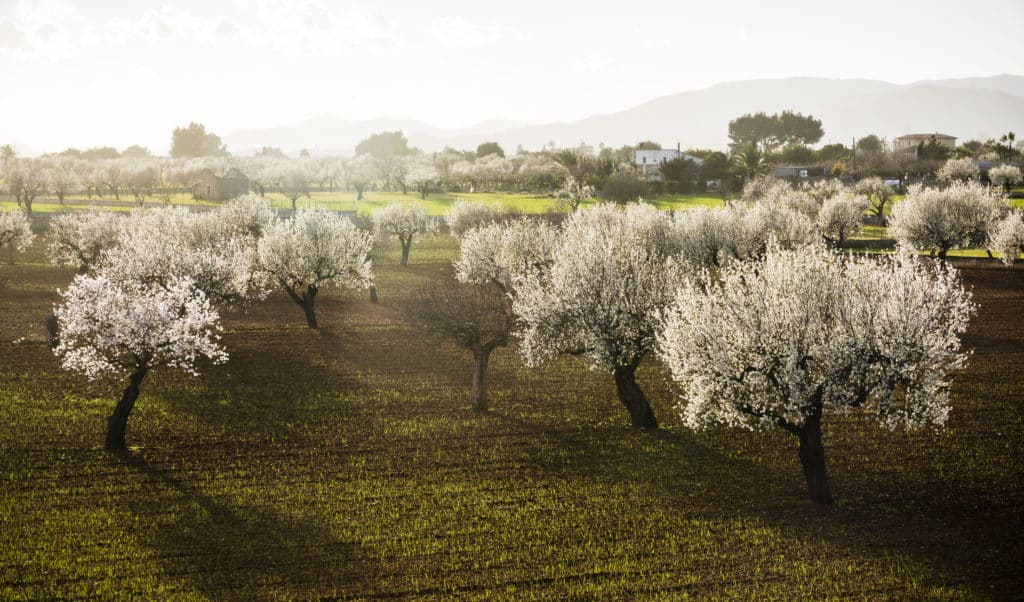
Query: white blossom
{"type": "Point", "coordinates": [765, 342]}
{"type": "Point", "coordinates": [118, 327]}
{"type": "Point", "coordinates": [402, 220]}
{"type": "Point", "coordinates": [15, 230]}
{"type": "Point", "coordinates": [465, 215]}
{"type": "Point", "coordinates": [312, 250]}
{"type": "Point", "coordinates": [500, 253]}
{"type": "Point", "coordinates": [1008, 236]}
{"type": "Point", "coordinates": [841, 216]}
{"type": "Point", "coordinates": [159, 246]}
{"type": "Point", "coordinates": [959, 170]}
{"type": "Point", "coordinates": [961, 215]}
{"type": "Point", "coordinates": [611, 274]}
{"type": "Point", "coordinates": [79, 238]}
{"type": "Point", "coordinates": [1004, 175]}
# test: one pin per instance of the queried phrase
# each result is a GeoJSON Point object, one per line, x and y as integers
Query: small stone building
{"type": "Point", "coordinates": [210, 187]}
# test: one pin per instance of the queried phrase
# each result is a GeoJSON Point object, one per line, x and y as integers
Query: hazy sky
{"type": "Point", "coordinates": [119, 72]}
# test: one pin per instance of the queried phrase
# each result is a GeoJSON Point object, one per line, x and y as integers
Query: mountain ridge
{"type": "Point", "coordinates": [973, 107]}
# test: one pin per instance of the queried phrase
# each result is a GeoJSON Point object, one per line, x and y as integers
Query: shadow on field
{"type": "Point", "coordinates": [245, 552]}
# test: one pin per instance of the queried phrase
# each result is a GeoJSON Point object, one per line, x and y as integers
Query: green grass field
{"type": "Point", "coordinates": [346, 464]}
{"type": "Point", "coordinates": [435, 204]}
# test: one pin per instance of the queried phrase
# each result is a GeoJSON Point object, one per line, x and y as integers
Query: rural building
{"type": "Point", "coordinates": [798, 172]}
{"type": "Point", "coordinates": [647, 161]}
{"type": "Point", "coordinates": [210, 187]}
{"type": "Point", "coordinates": [909, 143]}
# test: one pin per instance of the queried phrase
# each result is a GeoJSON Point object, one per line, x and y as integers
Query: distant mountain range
{"type": "Point", "coordinates": [969, 108]}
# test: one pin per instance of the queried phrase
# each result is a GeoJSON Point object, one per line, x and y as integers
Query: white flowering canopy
{"type": "Point", "coordinates": [772, 342]}
{"type": "Point", "coordinates": [1004, 175]}
{"type": "Point", "coordinates": [15, 230]}
{"type": "Point", "coordinates": [500, 253]}
{"type": "Point", "coordinates": [959, 170]}
{"type": "Point", "coordinates": [81, 237]}
{"type": "Point", "coordinates": [611, 274]}
{"type": "Point", "coordinates": [1008, 236]}
{"type": "Point", "coordinates": [159, 246]}
{"type": "Point", "coordinates": [402, 220]}
{"type": "Point", "coordinates": [961, 215]}
{"type": "Point", "coordinates": [841, 216]}
{"type": "Point", "coordinates": [119, 327]}
{"type": "Point", "coordinates": [465, 215]}
{"type": "Point", "coordinates": [318, 248]}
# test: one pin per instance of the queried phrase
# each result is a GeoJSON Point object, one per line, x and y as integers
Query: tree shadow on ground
{"type": "Point", "coordinates": [225, 549]}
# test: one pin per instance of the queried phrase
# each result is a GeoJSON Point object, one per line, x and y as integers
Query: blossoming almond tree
{"type": "Point", "coordinates": [942, 219]}
{"type": "Point", "coordinates": [131, 328]}
{"type": "Point", "coordinates": [79, 238]}
{"type": "Point", "coordinates": [403, 220]}
{"type": "Point", "coordinates": [15, 231]}
{"type": "Point", "coordinates": [610, 276]}
{"type": "Point", "coordinates": [314, 249]}
{"type": "Point", "coordinates": [1004, 176]}
{"type": "Point", "coordinates": [159, 246]}
{"type": "Point", "coordinates": [464, 215]}
{"type": "Point", "coordinates": [500, 253]}
{"type": "Point", "coordinates": [775, 343]}
{"type": "Point", "coordinates": [1008, 236]}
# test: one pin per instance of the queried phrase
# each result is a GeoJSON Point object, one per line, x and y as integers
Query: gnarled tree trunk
{"type": "Point", "coordinates": [308, 300]}
{"type": "Point", "coordinates": [117, 422]}
{"type": "Point", "coordinates": [812, 457]}
{"type": "Point", "coordinates": [406, 245]}
{"type": "Point", "coordinates": [481, 357]}
{"type": "Point", "coordinates": [632, 396]}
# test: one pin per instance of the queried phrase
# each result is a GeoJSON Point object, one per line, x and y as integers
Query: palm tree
{"type": "Point", "coordinates": [749, 162]}
{"type": "Point", "coordinates": [1008, 138]}
{"type": "Point", "coordinates": [7, 153]}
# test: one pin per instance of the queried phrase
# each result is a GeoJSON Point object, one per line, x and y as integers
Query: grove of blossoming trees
{"type": "Point", "coordinates": [776, 342]}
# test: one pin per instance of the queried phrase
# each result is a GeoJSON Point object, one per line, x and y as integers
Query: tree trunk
{"type": "Point", "coordinates": [117, 423]}
{"type": "Point", "coordinates": [631, 396]}
{"type": "Point", "coordinates": [481, 358]}
{"type": "Point", "coordinates": [373, 294]}
{"type": "Point", "coordinates": [812, 457]}
{"type": "Point", "coordinates": [308, 300]}
{"type": "Point", "coordinates": [406, 245]}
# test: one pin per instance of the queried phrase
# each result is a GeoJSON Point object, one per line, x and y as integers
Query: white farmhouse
{"type": "Point", "coordinates": [648, 161]}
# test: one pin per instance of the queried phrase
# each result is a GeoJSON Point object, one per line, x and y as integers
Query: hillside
{"type": "Point", "coordinates": [967, 108]}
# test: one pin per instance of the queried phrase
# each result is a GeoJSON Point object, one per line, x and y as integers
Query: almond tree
{"type": "Point", "coordinates": [1004, 176]}
{"type": "Point", "coordinates": [465, 215]}
{"type": "Point", "coordinates": [26, 179]}
{"type": "Point", "coordinates": [500, 253]}
{"type": "Point", "coordinates": [361, 172]}
{"type": "Point", "coordinates": [15, 231]}
{"type": "Point", "coordinates": [612, 272]}
{"type": "Point", "coordinates": [959, 170]}
{"type": "Point", "coordinates": [129, 328]}
{"type": "Point", "coordinates": [775, 343]}
{"type": "Point", "coordinates": [80, 237]}
{"type": "Point", "coordinates": [878, 194]}
{"type": "Point", "coordinates": [841, 216]}
{"type": "Point", "coordinates": [160, 246]}
{"type": "Point", "coordinates": [961, 215]}
{"type": "Point", "coordinates": [422, 174]}
{"type": "Point", "coordinates": [1008, 236]}
{"type": "Point", "coordinates": [477, 317]}
{"type": "Point", "coordinates": [312, 250]}
{"type": "Point", "coordinates": [62, 178]}
{"type": "Point", "coordinates": [403, 220]}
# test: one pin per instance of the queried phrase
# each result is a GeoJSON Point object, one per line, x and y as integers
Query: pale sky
{"type": "Point", "coordinates": [120, 72]}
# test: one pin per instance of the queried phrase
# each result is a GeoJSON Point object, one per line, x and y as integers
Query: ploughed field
{"type": "Point", "coordinates": [346, 463]}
